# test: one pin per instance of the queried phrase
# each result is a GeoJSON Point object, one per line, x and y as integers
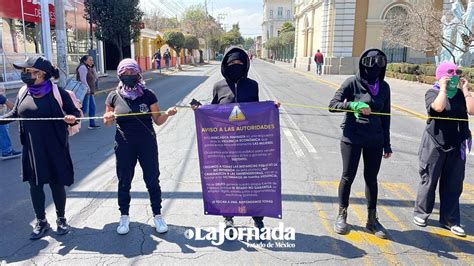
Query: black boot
{"type": "Point", "coordinates": [340, 226]}
{"type": "Point", "coordinates": [40, 229]}
{"type": "Point", "coordinates": [374, 226]}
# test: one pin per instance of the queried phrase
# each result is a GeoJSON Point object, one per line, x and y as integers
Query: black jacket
{"type": "Point", "coordinates": [377, 131]}
{"type": "Point", "coordinates": [226, 91]}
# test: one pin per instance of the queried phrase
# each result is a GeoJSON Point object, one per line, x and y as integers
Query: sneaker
{"type": "Point", "coordinates": [40, 229]}
{"type": "Point", "coordinates": [160, 224]}
{"type": "Point", "coordinates": [420, 221]}
{"type": "Point", "coordinates": [63, 227]}
{"type": "Point", "coordinates": [11, 155]}
{"type": "Point", "coordinates": [124, 224]}
{"type": "Point", "coordinates": [93, 127]}
{"type": "Point", "coordinates": [455, 229]}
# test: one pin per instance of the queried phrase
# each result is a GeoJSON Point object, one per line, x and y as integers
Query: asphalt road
{"type": "Point", "coordinates": [311, 167]}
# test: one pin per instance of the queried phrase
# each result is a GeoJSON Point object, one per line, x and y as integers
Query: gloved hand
{"type": "Point", "coordinates": [357, 106]}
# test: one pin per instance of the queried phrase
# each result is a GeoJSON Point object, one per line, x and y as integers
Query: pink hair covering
{"type": "Point", "coordinates": [128, 64]}
{"type": "Point", "coordinates": [130, 93]}
{"type": "Point", "coordinates": [442, 69]}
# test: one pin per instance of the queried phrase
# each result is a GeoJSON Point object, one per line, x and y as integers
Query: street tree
{"type": "Point", "coordinates": [232, 37]}
{"type": "Point", "coordinates": [249, 43]}
{"type": "Point", "coordinates": [196, 22]}
{"type": "Point", "coordinates": [116, 21]}
{"type": "Point", "coordinates": [419, 27]}
{"type": "Point", "coordinates": [191, 42]}
{"type": "Point", "coordinates": [176, 41]}
{"type": "Point", "coordinates": [287, 27]}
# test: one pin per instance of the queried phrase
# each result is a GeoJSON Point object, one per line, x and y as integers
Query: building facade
{"type": "Point", "coordinates": [343, 29]}
{"type": "Point", "coordinates": [275, 13]}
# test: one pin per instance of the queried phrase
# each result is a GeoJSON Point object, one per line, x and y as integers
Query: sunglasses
{"type": "Point", "coordinates": [371, 61]}
{"type": "Point", "coordinates": [457, 71]}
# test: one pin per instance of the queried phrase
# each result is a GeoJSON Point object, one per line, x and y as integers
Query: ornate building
{"type": "Point", "coordinates": [275, 13]}
{"type": "Point", "coordinates": [342, 29]}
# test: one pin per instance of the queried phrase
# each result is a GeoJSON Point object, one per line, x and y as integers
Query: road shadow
{"type": "Point", "coordinates": [303, 243]}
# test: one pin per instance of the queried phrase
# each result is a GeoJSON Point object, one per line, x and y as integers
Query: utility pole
{"type": "Point", "coordinates": [61, 42]}
{"type": "Point", "coordinates": [205, 7]}
{"type": "Point", "coordinates": [46, 30]}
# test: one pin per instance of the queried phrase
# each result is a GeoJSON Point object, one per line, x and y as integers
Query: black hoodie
{"type": "Point", "coordinates": [377, 131]}
{"type": "Point", "coordinates": [227, 91]}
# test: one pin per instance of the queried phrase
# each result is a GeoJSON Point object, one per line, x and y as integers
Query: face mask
{"type": "Point", "coordinates": [452, 87]}
{"type": "Point", "coordinates": [129, 80]}
{"type": "Point", "coordinates": [373, 73]}
{"type": "Point", "coordinates": [235, 72]}
{"type": "Point", "coordinates": [27, 78]}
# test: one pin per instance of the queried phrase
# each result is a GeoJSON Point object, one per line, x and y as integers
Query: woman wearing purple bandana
{"type": "Point", "coordinates": [46, 158]}
{"type": "Point", "coordinates": [135, 139]}
{"type": "Point", "coordinates": [442, 152]}
{"type": "Point", "coordinates": [363, 134]}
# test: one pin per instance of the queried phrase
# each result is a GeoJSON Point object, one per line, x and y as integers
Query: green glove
{"type": "Point", "coordinates": [357, 106]}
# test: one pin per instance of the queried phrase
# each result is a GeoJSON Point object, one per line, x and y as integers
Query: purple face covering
{"type": "Point", "coordinates": [126, 92]}
{"type": "Point", "coordinates": [374, 89]}
{"type": "Point", "coordinates": [40, 89]}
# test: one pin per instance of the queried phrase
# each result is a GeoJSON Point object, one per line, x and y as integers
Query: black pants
{"type": "Point", "coordinates": [372, 156]}
{"type": "Point", "coordinates": [38, 199]}
{"type": "Point", "coordinates": [448, 168]}
{"type": "Point", "coordinates": [127, 155]}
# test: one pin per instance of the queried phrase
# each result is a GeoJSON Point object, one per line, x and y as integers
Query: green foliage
{"type": "Point", "coordinates": [249, 43]}
{"type": "Point", "coordinates": [175, 40]}
{"type": "Point", "coordinates": [191, 42]}
{"type": "Point", "coordinates": [232, 37]}
{"type": "Point", "coordinates": [116, 21]}
{"type": "Point", "coordinates": [287, 27]}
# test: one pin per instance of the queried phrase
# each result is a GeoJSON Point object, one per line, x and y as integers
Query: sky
{"type": "Point", "coordinates": [248, 13]}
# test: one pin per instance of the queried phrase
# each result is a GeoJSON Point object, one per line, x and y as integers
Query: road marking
{"type": "Point", "coordinates": [442, 234]}
{"type": "Point", "coordinates": [288, 118]}
{"type": "Point", "coordinates": [403, 228]}
{"type": "Point", "coordinates": [383, 245]}
{"type": "Point", "coordinates": [293, 143]}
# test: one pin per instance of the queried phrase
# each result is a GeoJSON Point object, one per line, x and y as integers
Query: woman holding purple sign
{"type": "Point", "coordinates": [235, 87]}
{"type": "Point", "coordinates": [135, 139]}
{"type": "Point", "coordinates": [363, 134]}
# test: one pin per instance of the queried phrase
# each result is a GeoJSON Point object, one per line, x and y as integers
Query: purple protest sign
{"type": "Point", "coordinates": [239, 157]}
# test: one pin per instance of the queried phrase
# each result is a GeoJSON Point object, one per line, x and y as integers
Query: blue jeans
{"type": "Point", "coordinates": [319, 68]}
{"type": "Point", "coordinates": [89, 105]}
{"type": "Point", "coordinates": [5, 142]}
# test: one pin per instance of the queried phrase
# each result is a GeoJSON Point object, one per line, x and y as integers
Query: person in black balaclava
{"type": "Point", "coordinates": [363, 134]}
{"type": "Point", "coordinates": [236, 87]}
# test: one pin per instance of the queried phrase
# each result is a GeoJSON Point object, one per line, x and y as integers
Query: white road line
{"type": "Point", "coordinates": [290, 120]}
{"type": "Point", "coordinates": [293, 143]}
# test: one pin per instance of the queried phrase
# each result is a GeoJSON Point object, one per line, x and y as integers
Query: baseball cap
{"type": "Point", "coordinates": [37, 62]}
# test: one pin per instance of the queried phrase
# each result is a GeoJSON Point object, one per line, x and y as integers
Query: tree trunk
{"type": "Point", "coordinates": [178, 59]}
{"type": "Point", "coordinates": [118, 43]}
{"type": "Point", "coordinates": [13, 35]}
